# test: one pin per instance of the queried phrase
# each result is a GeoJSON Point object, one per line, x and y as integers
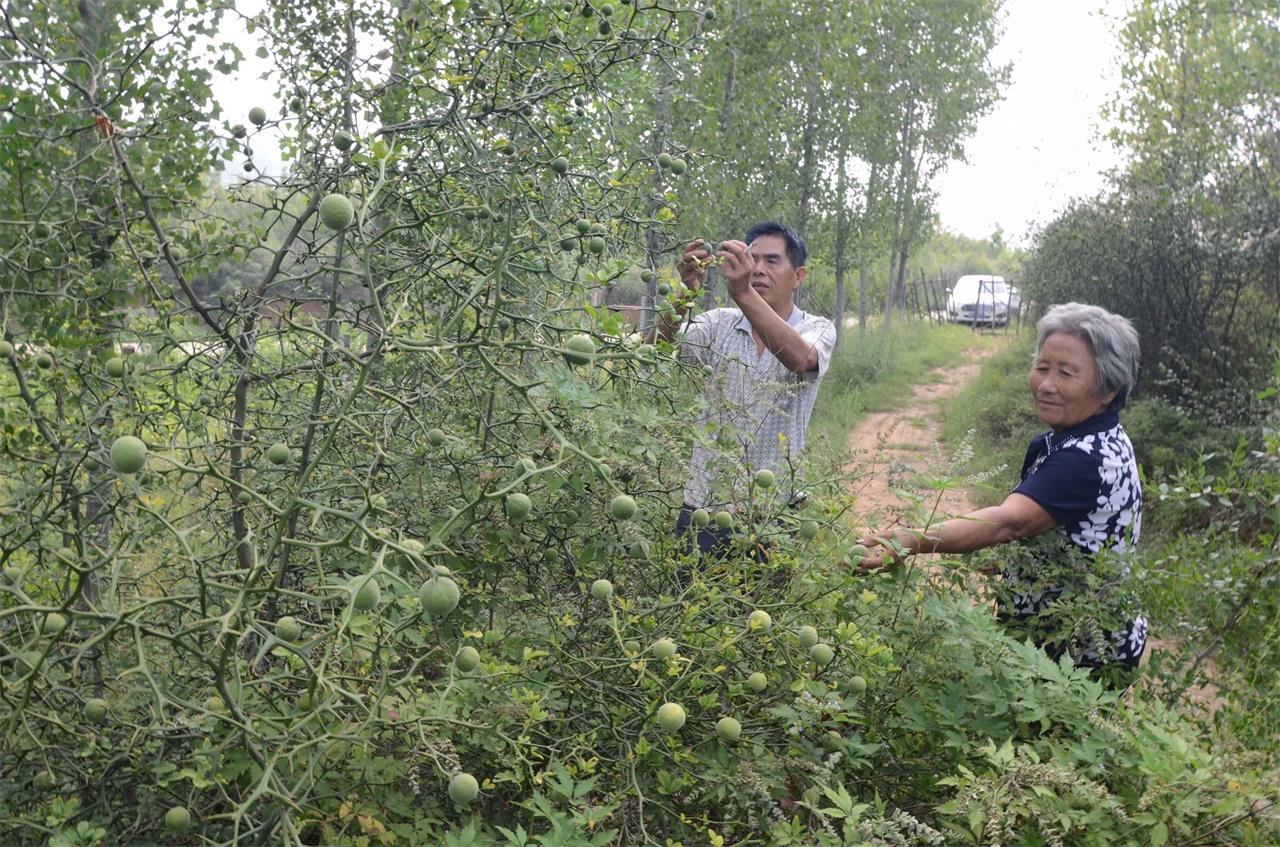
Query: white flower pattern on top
{"type": "Point", "coordinates": [1086, 478]}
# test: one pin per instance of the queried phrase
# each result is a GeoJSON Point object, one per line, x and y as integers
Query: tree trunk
{"type": "Point", "coordinates": [842, 236]}
{"type": "Point", "coordinates": [897, 260]}
{"type": "Point", "coordinates": [808, 162]}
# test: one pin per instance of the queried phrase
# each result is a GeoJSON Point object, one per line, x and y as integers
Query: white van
{"type": "Point", "coordinates": [979, 298]}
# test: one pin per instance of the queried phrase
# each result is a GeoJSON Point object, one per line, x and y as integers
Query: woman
{"type": "Point", "coordinates": [1080, 479]}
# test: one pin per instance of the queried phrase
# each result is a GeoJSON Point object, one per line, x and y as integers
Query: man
{"type": "Point", "coordinates": [766, 358]}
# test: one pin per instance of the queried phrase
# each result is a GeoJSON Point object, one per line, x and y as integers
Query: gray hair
{"type": "Point", "coordinates": [1111, 338]}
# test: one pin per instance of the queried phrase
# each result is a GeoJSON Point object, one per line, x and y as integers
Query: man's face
{"type": "Point", "coordinates": [773, 276]}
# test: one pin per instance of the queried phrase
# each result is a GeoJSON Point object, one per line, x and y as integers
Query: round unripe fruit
{"type": "Point", "coordinates": [665, 160]}
{"type": "Point", "coordinates": [622, 507]}
{"type": "Point", "coordinates": [257, 116]}
{"type": "Point", "coordinates": [435, 436]}
{"type": "Point", "coordinates": [606, 9]}
{"type": "Point", "coordinates": [128, 454]}
{"type": "Point", "coordinates": [288, 629]}
{"type": "Point", "coordinates": [759, 620]}
{"type": "Point", "coordinates": [857, 684]}
{"type": "Point", "coordinates": [13, 575]}
{"type": "Point", "coordinates": [336, 212]}
{"type": "Point", "coordinates": [439, 596]}
{"type": "Point", "coordinates": [518, 506]}
{"type": "Point", "coordinates": [647, 276]}
{"type": "Point", "coordinates": [602, 590]}
{"type": "Point", "coordinates": [6, 349]}
{"type": "Point", "coordinates": [728, 729]}
{"type": "Point", "coordinates": [663, 289]}
{"type": "Point", "coordinates": [858, 552]}
{"type": "Point", "coordinates": [367, 595]}
{"type": "Point", "coordinates": [724, 520]}
{"type": "Point", "coordinates": [604, 27]}
{"type": "Point", "coordinates": [115, 367]}
{"type": "Point", "coordinates": [278, 453]}
{"type": "Point", "coordinates": [177, 819]}
{"type": "Point", "coordinates": [463, 788]}
{"type": "Point", "coordinates": [808, 530]}
{"type": "Point", "coordinates": [632, 647]}
{"type": "Point", "coordinates": [765, 479]}
{"type": "Point", "coordinates": [670, 716]}
{"type": "Point", "coordinates": [238, 131]}
{"type": "Point", "coordinates": [467, 660]}
{"type": "Point", "coordinates": [757, 682]}
{"type": "Point", "coordinates": [53, 624]}
{"type": "Point", "coordinates": [678, 166]}
{"type": "Point", "coordinates": [808, 637]}
{"type": "Point", "coordinates": [44, 361]}
{"type": "Point", "coordinates": [579, 349]}
{"type": "Point", "coordinates": [646, 351]}
{"type": "Point", "coordinates": [700, 517]}
{"type": "Point", "coordinates": [663, 648]}
{"type": "Point", "coordinates": [43, 780]}
{"type": "Point", "coordinates": [831, 740]}
{"type": "Point", "coordinates": [95, 710]}
{"type": "Point", "coordinates": [596, 244]}
{"type": "Point", "coordinates": [582, 225]}
{"type": "Point", "coordinates": [821, 654]}
{"type": "Point", "coordinates": [560, 165]}
{"type": "Point", "coordinates": [343, 141]}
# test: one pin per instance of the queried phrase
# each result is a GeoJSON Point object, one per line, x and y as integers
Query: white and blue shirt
{"type": "Point", "coordinates": [754, 403]}
{"type": "Point", "coordinates": [1086, 478]}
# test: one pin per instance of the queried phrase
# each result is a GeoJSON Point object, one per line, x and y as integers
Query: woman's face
{"type": "Point", "coordinates": [1062, 382]}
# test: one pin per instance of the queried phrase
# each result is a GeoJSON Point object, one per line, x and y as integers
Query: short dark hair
{"type": "Point", "coordinates": [797, 251]}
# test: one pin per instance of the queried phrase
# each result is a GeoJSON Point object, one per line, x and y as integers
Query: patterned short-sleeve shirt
{"type": "Point", "coordinates": [1086, 478]}
{"type": "Point", "coordinates": [754, 401]}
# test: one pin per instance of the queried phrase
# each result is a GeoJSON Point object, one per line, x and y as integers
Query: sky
{"type": "Point", "coordinates": [1043, 143]}
{"type": "Point", "coordinates": [1040, 146]}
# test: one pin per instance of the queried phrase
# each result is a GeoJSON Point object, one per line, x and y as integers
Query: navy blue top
{"type": "Point", "coordinates": [1086, 478]}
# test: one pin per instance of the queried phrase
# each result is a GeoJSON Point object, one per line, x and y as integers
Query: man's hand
{"type": "Point", "coordinates": [737, 268]}
{"type": "Point", "coordinates": [882, 552]}
{"type": "Point", "coordinates": [691, 265]}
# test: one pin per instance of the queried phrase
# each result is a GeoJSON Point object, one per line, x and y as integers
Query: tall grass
{"type": "Point", "coordinates": [875, 372]}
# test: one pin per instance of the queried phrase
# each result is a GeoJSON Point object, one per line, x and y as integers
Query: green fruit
{"type": "Point", "coordinates": [765, 479]}
{"type": "Point", "coordinates": [808, 637]}
{"type": "Point", "coordinates": [670, 716]}
{"type": "Point", "coordinates": [821, 654]}
{"type": "Point", "coordinates": [602, 590]}
{"type": "Point", "coordinates": [43, 781]}
{"type": "Point", "coordinates": [439, 596]}
{"type": "Point", "coordinates": [278, 453]}
{"type": "Point", "coordinates": [604, 27]}
{"type": "Point", "coordinates": [700, 517]}
{"type": "Point", "coordinates": [596, 245]}
{"type": "Point", "coordinates": [413, 547]}
{"type": "Point", "coordinates": [518, 506]}
{"type": "Point", "coordinates": [647, 276]}
{"type": "Point", "coordinates": [336, 212]}
{"type": "Point", "coordinates": [724, 520]}
{"type": "Point", "coordinates": [728, 729]}
{"type": "Point", "coordinates": [128, 454]}
{"type": "Point", "coordinates": [343, 140]}
{"type": "Point", "coordinates": [467, 660]}
{"type": "Point", "coordinates": [288, 629]}
{"type": "Point", "coordinates": [632, 647]}
{"type": "Point", "coordinates": [244, 498]}
{"type": "Point", "coordinates": [582, 225]}
{"type": "Point", "coordinates": [757, 682]}
{"type": "Point", "coordinates": [678, 166]}
{"type": "Point", "coordinates": [435, 436]}
{"type": "Point", "coordinates": [463, 788]}
{"type": "Point", "coordinates": [622, 507]}
{"type": "Point", "coordinates": [44, 361]}
{"type": "Point", "coordinates": [709, 14]}
{"type": "Point", "coordinates": [238, 131]}
{"type": "Point", "coordinates": [367, 595]}
{"type": "Point", "coordinates": [831, 740]}
{"type": "Point", "coordinates": [646, 352]}
{"type": "Point", "coordinates": [66, 554]}
{"type": "Point", "coordinates": [560, 165]}
{"type": "Point", "coordinates": [759, 621]}
{"type": "Point", "coordinates": [579, 349]}
{"type": "Point", "coordinates": [178, 818]}
{"type": "Point", "coordinates": [857, 684]}
{"type": "Point", "coordinates": [858, 552]}
{"type": "Point", "coordinates": [95, 710]}
{"type": "Point", "coordinates": [808, 530]}
{"type": "Point", "coordinates": [115, 367]}
{"type": "Point", "coordinates": [257, 116]}
{"type": "Point", "coordinates": [663, 648]}
{"type": "Point", "coordinates": [663, 289]}
{"type": "Point", "coordinates": [13, 575]}
{"type": "Point", "coordinates": [606, 9]}
{"type": "Point", "coordinates": [665, 160]}
{"type": "Point", "coordinates": [53, 624]}
{"type": "Point", "coordinates": [6, 349]}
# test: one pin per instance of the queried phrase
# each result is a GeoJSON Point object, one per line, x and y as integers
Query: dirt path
{"type": "Point", "coordinates": [893, 449]}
